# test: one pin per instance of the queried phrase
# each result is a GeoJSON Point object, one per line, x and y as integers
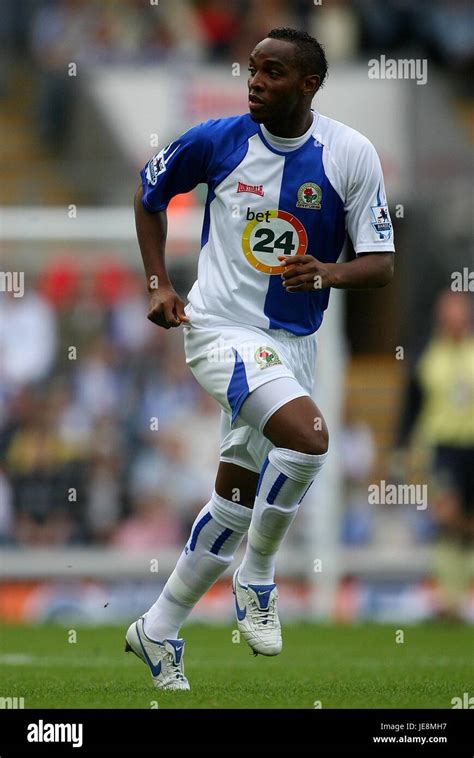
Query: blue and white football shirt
{"type": "Point", "coordinates": [264, 201]}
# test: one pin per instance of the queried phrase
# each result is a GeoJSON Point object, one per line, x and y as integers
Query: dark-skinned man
{"type": "Point", "coordinates": [285, 185]}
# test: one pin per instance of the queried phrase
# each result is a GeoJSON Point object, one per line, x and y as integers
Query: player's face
{"type": "Point", "coordinates": [277, 89]}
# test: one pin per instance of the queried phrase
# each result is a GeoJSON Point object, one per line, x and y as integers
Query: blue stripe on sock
{"type": "Point", "coordinates": [276, 487]}
{"type": "Point", "coordinates": [262, 472]}
{"type": "Point", "coordinates": [223, 536]}
{"type": "Point", "coordinates": [200, 525]}
{"type": "Point", "coordinates": [304, 493]}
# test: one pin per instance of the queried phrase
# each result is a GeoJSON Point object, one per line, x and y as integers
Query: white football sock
{"type": "Point", "coordinates": [285, 478]}
{"type": "Point", "coordinates": [215, 535]}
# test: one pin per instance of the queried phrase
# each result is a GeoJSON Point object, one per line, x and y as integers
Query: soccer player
{"type": "Point", "coordinates": [285, 183]}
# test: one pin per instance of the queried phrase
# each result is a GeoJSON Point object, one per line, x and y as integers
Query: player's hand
{"type": "Point", "coordinates": [166, 308]}
{"type": "Point", "coordinates": [305, 273]}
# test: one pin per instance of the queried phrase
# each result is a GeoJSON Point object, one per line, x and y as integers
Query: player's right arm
{"type": "Point", "coordinates": [176, 169]}
{"type": "Point", "coordinates": [166, 307]}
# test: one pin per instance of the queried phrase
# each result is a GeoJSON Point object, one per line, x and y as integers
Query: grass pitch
{"type": "Point", "coordinates": [359, 666]}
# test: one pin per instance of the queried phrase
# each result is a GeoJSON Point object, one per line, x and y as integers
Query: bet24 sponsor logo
{"type": "Point", "coordinates": [270, 233]}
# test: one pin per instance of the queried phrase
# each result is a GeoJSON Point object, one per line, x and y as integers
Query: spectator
{"type": "Point", "coordinates": [6, 510]}
{"type": "Point", "coordinates": [28, 340]}
{"type": "Point", "coordinates": [439, 414]}
{"type": "Point", "coordinates": [220, 24]}
{"type": "Point", "coordinates": [151, 525]}
{"type": "Point", "coordinates": [357, 461]}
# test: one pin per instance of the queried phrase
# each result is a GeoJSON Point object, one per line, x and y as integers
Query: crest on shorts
{"type": "Point", "coordinates": [309, 196]}
{"type": "Point", "coordinates": [266, 356]}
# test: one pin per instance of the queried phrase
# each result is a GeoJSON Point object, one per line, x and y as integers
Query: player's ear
{"type": "Point", "coordinates": [311, 84]}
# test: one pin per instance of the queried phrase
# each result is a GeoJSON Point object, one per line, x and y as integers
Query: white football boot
{"type": "Point", "coordinates": [164, 659]}
{"type": "Point", "coordinates": [257, 616]}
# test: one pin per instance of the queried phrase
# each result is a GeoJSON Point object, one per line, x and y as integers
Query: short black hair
{"type": "Point", "coordinates": [310, 57]}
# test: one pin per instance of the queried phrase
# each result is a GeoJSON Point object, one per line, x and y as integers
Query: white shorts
{"type": "Point", "coordinates": [230, 361]}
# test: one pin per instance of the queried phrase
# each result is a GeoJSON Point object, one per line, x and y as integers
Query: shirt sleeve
{"type": "Point", "coordinates": [367, 215]}
{"type": "Point", "coordinates": [176, 169]}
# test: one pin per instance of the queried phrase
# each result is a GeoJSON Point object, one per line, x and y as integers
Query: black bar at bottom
{"type": "Point", "coordinates": [236, 732]}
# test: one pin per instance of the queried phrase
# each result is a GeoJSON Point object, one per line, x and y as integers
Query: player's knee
{"type": "Point", "coordinates": [311, 442]}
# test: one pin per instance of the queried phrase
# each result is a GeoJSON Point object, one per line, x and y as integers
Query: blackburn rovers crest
{"type": "Point", "coordinates": [266, 356]}
{"type": "Point", "coordinates": [309, 196]}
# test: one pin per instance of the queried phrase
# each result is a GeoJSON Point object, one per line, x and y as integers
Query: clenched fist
{"type": "Point", "coordinates": [166, 308]}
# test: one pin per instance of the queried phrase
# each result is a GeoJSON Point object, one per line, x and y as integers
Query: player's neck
{"type": "Point", "coordinates": [291, 129]}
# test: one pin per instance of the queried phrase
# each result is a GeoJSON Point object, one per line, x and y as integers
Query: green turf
{"type": "Point", "coordinates": [341, 666]}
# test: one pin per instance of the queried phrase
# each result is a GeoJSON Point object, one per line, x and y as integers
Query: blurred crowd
{"type": "Point", "coordinates": [53, 34]}
{"type": "Point", "coordinates": [99, 415]}
{"type": "Point", "coordinates": [102, 31]}
{"type": "Point", "coordinates": [100, 420]}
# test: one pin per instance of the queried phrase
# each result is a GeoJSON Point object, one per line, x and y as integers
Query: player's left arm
{"type": "Point", "coordinates": [368, 225]}
{"type": "Point", "coordinates": [304, 272]}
